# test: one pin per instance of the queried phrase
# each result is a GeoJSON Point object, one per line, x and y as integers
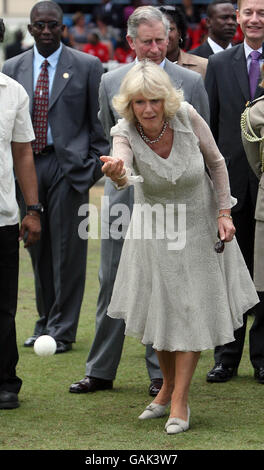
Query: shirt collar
{"type": "Point", "coordinates": [162, 64]}
{"type": "Point", "coordinates": [216, 48]}
{"type": "Point", "coordinates": [52, 59]}
{"type": "Point", "coordinates": [248, 49]}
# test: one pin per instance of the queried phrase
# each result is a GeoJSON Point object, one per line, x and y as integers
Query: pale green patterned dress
{"type": "Point", "coordinates": [191, 298]}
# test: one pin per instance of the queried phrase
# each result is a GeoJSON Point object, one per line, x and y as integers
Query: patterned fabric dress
{"type": "Point", "coordinates": [178, 294]}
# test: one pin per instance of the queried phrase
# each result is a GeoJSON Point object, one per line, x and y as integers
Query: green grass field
{"type": "Point", "coordinates": [224, 416]}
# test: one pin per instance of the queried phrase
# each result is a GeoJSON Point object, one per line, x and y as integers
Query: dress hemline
{"type": "Point", "coordinates": [213, 345]}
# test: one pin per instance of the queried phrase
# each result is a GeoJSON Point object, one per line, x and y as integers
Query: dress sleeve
{"type": "Point", "coordinates": [122, 149]}
{"type": "Point", "coordinates": [214, 160]}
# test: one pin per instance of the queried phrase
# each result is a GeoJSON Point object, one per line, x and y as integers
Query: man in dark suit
{"type": "Point", "coordinates": [221, 24]}
{"type": "Point", "coordinates": [228, 83]}
{"type": "Point", "coordinates": [148, 36]}
{"type": "Point", "coordinates": [66, 167]}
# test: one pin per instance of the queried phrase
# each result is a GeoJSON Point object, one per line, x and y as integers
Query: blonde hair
{"type": "Point", "coordinates": [150, 80]}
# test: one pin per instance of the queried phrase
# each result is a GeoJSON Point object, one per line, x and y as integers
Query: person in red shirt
{"type": "Point", "coordinates": [96, 48]}
{"type": "Point", "coordinates": [123, 52]}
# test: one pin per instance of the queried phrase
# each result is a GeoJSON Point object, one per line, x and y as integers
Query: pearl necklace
{"type": "Point", "coordinates": [146, 139]}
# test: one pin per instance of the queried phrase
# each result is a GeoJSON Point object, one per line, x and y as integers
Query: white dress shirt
{"type": "Point", "coordinates": [15, 126]}
{"type": "Point", "coordinates": [216, 48]}
{"type": "Point", "coordinates": [248, 51]}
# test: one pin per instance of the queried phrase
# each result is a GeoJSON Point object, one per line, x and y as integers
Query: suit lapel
{"type": "Point", "coordinates": [62, 76]}
{"type": "Point", "coordinates": [207, 48]}
{"type": "Point", "coordinates": [26, 76]}
{"type": "Point", "coordinates": [169, 67]}
{"type": "Point", "coordinates": [238, 62]}
{"type": "Point", "coordinates": [240, 69]}
{"type": "Point", "coordinates": [184, 58]}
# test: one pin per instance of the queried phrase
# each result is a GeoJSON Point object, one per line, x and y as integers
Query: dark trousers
{"type": "Point", "coordinates": [9, 259]}
{"type": "Point", "coordinates": [59, 257]}
{"type": "Point", "coordinates": [230, 354]}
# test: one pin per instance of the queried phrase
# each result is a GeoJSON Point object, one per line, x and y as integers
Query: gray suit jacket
{"type": "Point", "coordinates": [194, 92]}
{"type": "Point", "coordinates": [77, 133]}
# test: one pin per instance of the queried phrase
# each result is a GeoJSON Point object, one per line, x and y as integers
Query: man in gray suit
{"type": "Point", "coordinates": [66, 167]}
{"type": "Point", "coordinates": [148, 35]}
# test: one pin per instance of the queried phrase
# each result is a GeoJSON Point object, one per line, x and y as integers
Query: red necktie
{"type": "Point", "coordinates": [40, 109]}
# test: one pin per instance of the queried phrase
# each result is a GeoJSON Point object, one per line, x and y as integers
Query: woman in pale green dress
{"type": "Point", "coordinates": [173, 289]}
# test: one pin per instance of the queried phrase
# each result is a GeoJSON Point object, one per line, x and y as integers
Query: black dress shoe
{"type": "Point", "coordinates": [155, 386]}
{"type": "Point", "coordinates": [8, 400]}
{"type": "Point", "coordinates": [90, 384]}
{"type": "Point", "coordinates": [63, 347]}
{"type": "Point", "coordinates": [30, 341]}
{"type": "Point", "coordinates": [259, 375]}
{"type": "Point", "coordinates": [220, 373]}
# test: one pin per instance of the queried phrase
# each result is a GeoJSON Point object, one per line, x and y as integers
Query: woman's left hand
{"type": "Point", "coordinates": [226, 229]}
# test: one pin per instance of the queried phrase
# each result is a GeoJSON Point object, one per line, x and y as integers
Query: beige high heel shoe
{"type": "Point", "coordinates": [154, 410]}
{"type": "Point", "coordinates": [177, 425]}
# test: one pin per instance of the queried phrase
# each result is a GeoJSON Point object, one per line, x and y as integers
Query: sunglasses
{"type": "Point", "coordinates": [167, 8]}
{"type": "Point", "coordinates": [220, 245]}
{"type": "Point", "coordinates": [40, 25]}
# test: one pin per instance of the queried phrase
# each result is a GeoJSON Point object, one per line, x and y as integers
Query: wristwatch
{"type": "Point", "coordinates": [36, 207]}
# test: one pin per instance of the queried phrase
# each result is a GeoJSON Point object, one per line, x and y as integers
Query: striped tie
{"type": "Point", "coordinates": [40, 109]}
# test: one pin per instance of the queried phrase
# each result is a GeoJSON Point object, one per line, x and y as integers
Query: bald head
{"type": "Point", "coordinates": [46, 27]}
{"type": "Point", "coordinates": [46, 6]}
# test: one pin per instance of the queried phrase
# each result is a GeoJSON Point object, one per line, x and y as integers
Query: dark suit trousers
{"type": "Point", "coordinates": [230, 354]}
{"type": "Point", "coordinates": [9, 259]}
{"type": "Point", "coordinates": [59, 258]}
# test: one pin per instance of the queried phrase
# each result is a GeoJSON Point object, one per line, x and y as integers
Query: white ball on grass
{"type": "Point", "coordinates": [45, 345]}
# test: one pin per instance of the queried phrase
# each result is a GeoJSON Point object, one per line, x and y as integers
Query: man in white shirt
{"type": "Point", "coordinates": [221, 23]}
{"type": "Point", "coordinates": [16, 134]}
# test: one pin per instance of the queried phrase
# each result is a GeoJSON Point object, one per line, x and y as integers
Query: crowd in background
{"type": "Point", "coordinates": [102, 32]}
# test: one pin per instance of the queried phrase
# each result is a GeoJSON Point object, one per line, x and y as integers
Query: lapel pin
{"type": "Point", "coordinates": [65, 75]}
